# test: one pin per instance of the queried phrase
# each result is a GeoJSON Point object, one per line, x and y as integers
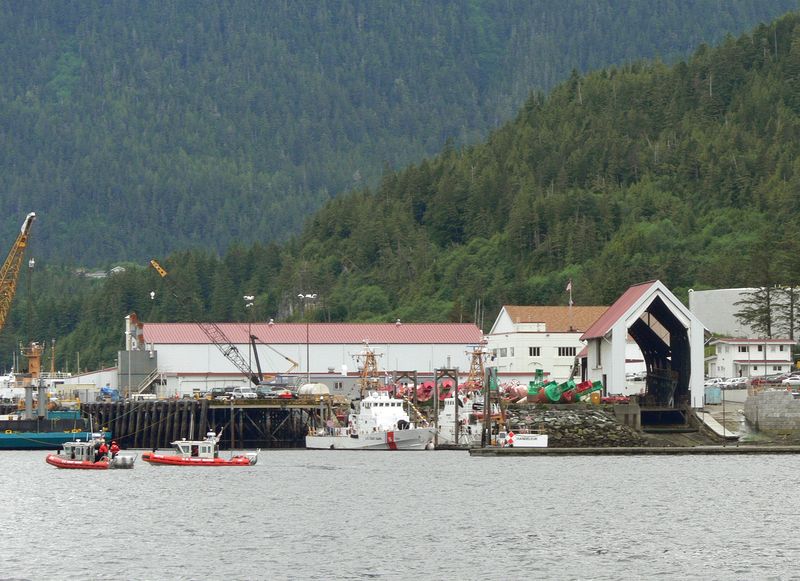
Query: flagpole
{"type": "Point", "coordinates": [569, 313]}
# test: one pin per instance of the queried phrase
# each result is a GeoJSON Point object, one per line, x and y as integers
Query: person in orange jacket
{"type": "Point", "coordinates": [114, 448]}
{"type": "Point", "coordinates": [101, 451]}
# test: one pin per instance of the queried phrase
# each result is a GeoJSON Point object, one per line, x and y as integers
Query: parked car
{"type": "Point", "coordinates": [736, 383]}
{"type": "Point", "coordinates": [266, 392]}
{"type": "Point", "coordinates": [219, 393]}
{"type": "Point", "coordinates": [791, 381]}
{"type": "Point", "coordinates": [712, 381]}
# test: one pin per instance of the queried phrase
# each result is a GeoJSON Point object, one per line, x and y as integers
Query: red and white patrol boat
{"type": "Point", "coordinates": [80, 455]}
{"type": "Point", "coordinates": [199, 453]}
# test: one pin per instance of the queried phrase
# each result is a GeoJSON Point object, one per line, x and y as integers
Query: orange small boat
{"type": "Point", "coordinates": [80, 455]}
{"type": "Point", "coordinates": [199, 453]}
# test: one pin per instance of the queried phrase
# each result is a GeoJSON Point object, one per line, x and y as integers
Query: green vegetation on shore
{"type": "Point", "coordinates": [687, 173]}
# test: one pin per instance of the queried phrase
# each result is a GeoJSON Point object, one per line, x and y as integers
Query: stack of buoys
{"type": "Point", "coordinates": [425, 391]}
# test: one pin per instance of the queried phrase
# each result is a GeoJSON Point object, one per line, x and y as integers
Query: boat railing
{"type": "Point", "coordinates": [338, 431]}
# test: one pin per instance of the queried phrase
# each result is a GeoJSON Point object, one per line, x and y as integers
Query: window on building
{"type": "Point", "coordinates": [744, 349]}
{"type": "Point", "coordinates": [511, 351]}
{"type": "Point", "coordinates": [755, 368]}
{"type": "Point", "coordinates": [503, 352]}
{"type": "Point", "coordinates": [780, 347]}
{"type": "Point", "coordinates": [337, 385]}
{"type": "Point", "coordinates": [777, 368]}
{"type": "Point", "coordinates": [567, 351]}
{"type": "Point", "coordinates": [760, 348]}
{"type": "Point", "coordinates": [533, 351]}
{"type": "Point", "coordinates": [598, 353]}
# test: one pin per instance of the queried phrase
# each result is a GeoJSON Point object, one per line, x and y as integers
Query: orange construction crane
{"type": "Point", "coordinates": [9, 274]}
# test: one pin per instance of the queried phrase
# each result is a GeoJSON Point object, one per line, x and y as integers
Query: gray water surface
{"type": "Point", "coordinates": [416, 515]}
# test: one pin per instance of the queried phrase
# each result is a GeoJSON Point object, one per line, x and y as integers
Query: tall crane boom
{"type": "Point", "coordinates": [253, 339]}
{"type": "Point", "coordinates": [9, 274]}
{"type": "Point", "coordinates": [212, 331]}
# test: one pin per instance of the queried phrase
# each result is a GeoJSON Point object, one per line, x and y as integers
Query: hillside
{"type": "Point", "coordinates": [686, 173]}
{"type": "Point", "coordinates": [138, 129]}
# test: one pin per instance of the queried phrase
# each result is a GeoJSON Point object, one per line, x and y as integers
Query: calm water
{"type": "Point", "coordinates": [428, 515]}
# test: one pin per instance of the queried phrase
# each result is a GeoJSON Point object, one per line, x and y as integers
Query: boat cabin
{"type": "Point", "coordinates": [80, 451]}
{"type": "Point", "coordinates": [198, 448]}
{"type": "Point", "coordinates": [380, 412]}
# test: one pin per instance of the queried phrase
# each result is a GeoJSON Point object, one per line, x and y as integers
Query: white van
{"type": "Point", "coordinates": [244, 393]}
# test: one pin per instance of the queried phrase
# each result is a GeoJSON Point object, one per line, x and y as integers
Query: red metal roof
{"type": "Point", "coordinates": [319, 333]}
{"type": "Point", "coordinates": [603, 325]}
{"type": "Point", "coordinates": [755, 341]}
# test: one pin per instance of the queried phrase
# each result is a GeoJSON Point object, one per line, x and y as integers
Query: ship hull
{"type": "Point", "coordinates": [413, 439]}
{"type": "Point", "coordinates": [66, 463]}
{"type": "Point", "coordinates": [11, 440]}
{"type": "Point", "coordinates": [175, 460]}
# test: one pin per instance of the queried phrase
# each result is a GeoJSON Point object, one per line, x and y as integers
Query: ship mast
{"type": "Point", "coordinates": [476, 368]}
{"type": "Point", "coordinates": [369, 379]}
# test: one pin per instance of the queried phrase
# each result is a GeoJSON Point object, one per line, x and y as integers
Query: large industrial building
{"type": "Point", "coordinates": [181, 359]}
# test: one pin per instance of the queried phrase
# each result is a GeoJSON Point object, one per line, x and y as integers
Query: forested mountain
{"type": "Point", "coordinates": [687, 173]}
{"type": "Point", "coordinates": [139, 128]}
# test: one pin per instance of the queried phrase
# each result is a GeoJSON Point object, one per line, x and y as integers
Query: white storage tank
{"type": "Point", "coordinates": [313, 389]}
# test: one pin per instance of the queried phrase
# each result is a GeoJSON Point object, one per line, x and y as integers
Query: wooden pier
{"type": "Point", "coordinates": [245, 424]}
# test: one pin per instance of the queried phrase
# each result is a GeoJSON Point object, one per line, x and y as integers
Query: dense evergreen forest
{"type": "Point", "coordinates": [136, 129]}
{"type": "Point", "coordinates": [688, 173]}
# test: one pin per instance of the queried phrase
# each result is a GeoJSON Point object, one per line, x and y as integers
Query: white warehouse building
{"type": "Point", "coordinates": [526, 338]}
{"type": "Point", "coordinates": [184, 360]}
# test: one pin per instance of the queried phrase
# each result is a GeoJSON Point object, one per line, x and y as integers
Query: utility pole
{"type": "Point", "coordinates": [248, 304]}
{"type": "Point", "coordinates": [306, 298]}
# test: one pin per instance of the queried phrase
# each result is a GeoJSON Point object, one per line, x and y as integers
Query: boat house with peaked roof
{"type": "Point", "coordinates": [670, 337]}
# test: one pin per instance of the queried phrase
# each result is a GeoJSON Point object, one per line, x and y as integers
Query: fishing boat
{"type": "Point", "coordinates": [379, 420]}
{"type": "Point", "coordinates": [82, 455]}
{"type": "Point", "coordinates": [199, 453]}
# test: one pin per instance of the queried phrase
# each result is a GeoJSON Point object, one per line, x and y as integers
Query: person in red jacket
{"type": "Point", "coordinates": [114, 448]}
{"type": "Point", "coordinates": [101, 451]}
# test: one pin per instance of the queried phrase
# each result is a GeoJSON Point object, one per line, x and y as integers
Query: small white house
{"type": "Point", "coordinates": [526, 338]}
{"type": "Point", "coordinates": [748, 357]}
{"type": "Point", "coordinates": [670, 337]}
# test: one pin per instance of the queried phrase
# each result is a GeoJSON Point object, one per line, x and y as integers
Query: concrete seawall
{"type": "Point", "coordinates": [774, 412]}
{"type": "Point", "coordinates": [636, 451]}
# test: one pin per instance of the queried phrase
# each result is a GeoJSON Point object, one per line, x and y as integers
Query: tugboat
{"type": "Point", "coordinates": [81, 455]}
{"type": "Point", "coordinates": [199, 453]}
{"type": "Point", "coordinates": [381, 422]}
